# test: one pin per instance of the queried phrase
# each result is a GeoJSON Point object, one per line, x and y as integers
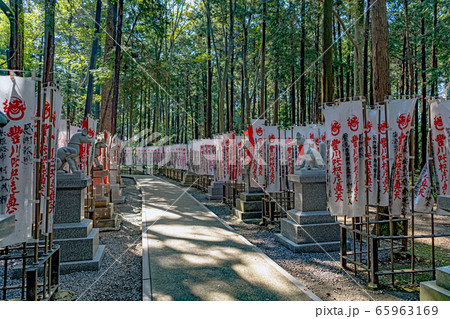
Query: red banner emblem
{"type": "Point", "coordinates": [438, 123]}
{"type": "Point", "coordinates": [335, 128]}
{"type": "Point", "coordinates": [15, 110]}
{"type": "Point", "coordinates": [353, 123]}
{"type": "Point", "coordinates": [403, 121]}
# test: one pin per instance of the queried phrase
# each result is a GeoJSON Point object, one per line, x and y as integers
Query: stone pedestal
{"type": "Point", "coordinates": [188, 179]}
{"type": "Point", "coordinates": [249, 204]}
{"type": "Point", "coordinates": [100, 192]}
{"type": "Point", "coordinates": [439, 289]}
{"type": "Point", "coordinates": [309, 227]}
{"type": "Point", "coordinates": [104, 216]}
{"type": "Point", "coordinates": [116, 194]}
{"type": "Point", "coordinates": [215, 191]}
{"type": "Point", "coordinates": [79, 241]}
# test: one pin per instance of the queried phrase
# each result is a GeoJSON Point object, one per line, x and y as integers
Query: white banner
{"type": "Point", "coordinates": [423, 196]}
{"type": "Point", "coordinates": [56, 107]}
{"type": "Point", "coordinates": [239, 158]}
{"type": "Point", "coordinates": [344, 123]}
{"type": "Point", "coordinates": [128, 155]}
{"type": "Point", "coordinates": [256, 137]}
{"type": "Point", "coordinates": [400, 116]}
{"type": "Point", "coordinates": [271, 136]}
{"type": "Point", "coordinates": [440, 127]}
{"type": "Point", "coordinates": [17, 183]}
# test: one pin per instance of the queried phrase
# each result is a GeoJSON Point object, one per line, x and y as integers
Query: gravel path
{"type": "Point", "coordinates": [320, 272]}
{"type": "Point", "coordinates": [120, 275]}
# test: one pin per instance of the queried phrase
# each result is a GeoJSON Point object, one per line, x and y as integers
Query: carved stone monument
{"type": "Point", "coordinates": [79, 241]}
{"type": "Point", "coordinates": [249, 203]}
{"type": "Point", "coordinates": [309, 227]}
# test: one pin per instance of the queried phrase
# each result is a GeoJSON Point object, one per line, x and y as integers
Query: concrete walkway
{"type": "Point", "coordinates": [190, 254]}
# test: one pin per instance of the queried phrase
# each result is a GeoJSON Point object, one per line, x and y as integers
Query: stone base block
{"type": "Point", "coordinates": [443, 277]}
{"type": "Point", "coordinates": [213, 197]}
{"type": "Point", "coordinates": [188, 179]}
{"type": "Point", "coordinates": [244, 216]}
{"type": "Point", "coordinates": [101, 202]}
{"type": "Point", "coordinates": [79, 249]}
{"type": "Point", "coordinates": [73, 230]}
{"type": "Point", "coordinates": [215, 191]}
{"type": "Point", "coordinates": [85, 265]}
{"type": "Point", "coordinates": [248, 197]}
{"type": "Point", "coordinates": [430, 291]}
{"type": "Point", "coordinates": [110, 224]}
{"type": "Point", "coordinates": [308, 248]}
{"type": "Point", "coordinates": [312, 217]}
{"type": "Point", "coordinates": [310, 233]}
{"type": "Point", "coordinates": [103, 212]}
{"type": "Point", "coordinates": [248, 206]}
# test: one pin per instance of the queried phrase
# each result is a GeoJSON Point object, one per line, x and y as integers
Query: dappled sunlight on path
{"type": "Point", "coordinates": [189, 254]}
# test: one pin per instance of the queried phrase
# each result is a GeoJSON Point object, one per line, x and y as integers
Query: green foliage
{"type": "Point", "coordinates": [164, 55]}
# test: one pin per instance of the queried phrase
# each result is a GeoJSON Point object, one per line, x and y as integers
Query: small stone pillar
{"type": "Point", "coordinates": [215, 191]}
{"type": "Point", "coordinates": [114, 184]}
{"type": "Point", "coordinates": [104, 216]}
{"type": "Point", "coordinates": [249, 203]}
{"type": "Point", "coordinates": [309, 227]}
{"type": "Point", "coordinates": [79, 241]}
{"type": "Point", "coordinates": [188, 179]}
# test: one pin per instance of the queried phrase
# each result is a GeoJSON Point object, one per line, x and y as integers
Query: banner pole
{"type": "Point", "coordinates": [38, 158]}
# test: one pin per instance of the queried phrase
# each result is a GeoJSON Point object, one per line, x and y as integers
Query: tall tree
{"type": "Point", "coordinates": [434, 62]}
{"type": "Point", "coordinates": [409, 59]}
{"type": "Point", "coordinates": [423, 126]}
{"type": "Point", "coordinates": [327, 49]}
{"type": "Point", "coordinates": [262, 106]}
{"type": "Point", "coordinates": [208, 124]}
{"type": "Point", "coordinates": [93, 60]}
{"type": "Point", "coordinates": [380, 52]}
{"type": "Point", "coordinates": [49, 48]}
{"type": "Point", "coordinates": [302, 64]}
{"type": "Point", "coordinates": [231, 105]}
{"type": "Point", "coordinates": [358, 71]}
{"type": "Point", "coordinates": [107, 89]}
{"type": "Point", "coordinates": [14, 13]}
{"type": "Point", "coordinates": [118, 56]}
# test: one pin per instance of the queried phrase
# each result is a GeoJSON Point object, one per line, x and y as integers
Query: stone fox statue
{"type": "Point", "coordinates": [98, 146]}
{"type": "Point", "coordinates": [3, 119]}
{"type": "Point", "coordinates": [311, 159]}
{"type": "Point", "coordinates": [68, 154]}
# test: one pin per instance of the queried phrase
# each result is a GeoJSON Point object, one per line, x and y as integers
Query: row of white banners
{"type": "Point", "coordinates": [21, 158]}
{"type": "Point", "coordinates": [354, 137]}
